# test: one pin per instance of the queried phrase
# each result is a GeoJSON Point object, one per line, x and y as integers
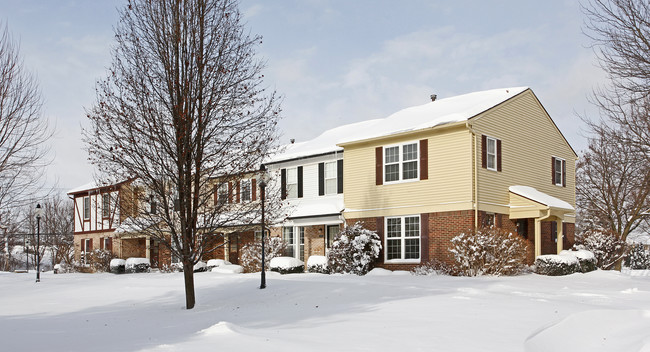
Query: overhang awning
{"type": "Point", "coordinates": [527, 202]}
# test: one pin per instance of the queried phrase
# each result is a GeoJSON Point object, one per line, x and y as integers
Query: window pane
{"type": "Point", "coordinates": [491, 145]}
{"type": "Point", "coordinates": [410, 170]}
{"type": "Point", "coordinates": [394, 228]}
{"type": "Point", "coordinates": [558, 171]}
{"type": "Point", "coordinates": [412, 248]}
{"type": "Point", "coordinates": [392, 155]}
{"type": "Point", "coordinates": [412, 227]}
{"type": "Point", "coordinates": [330, 170]}
{"type": "Point", "coordinates": [392, 172]}
{"type": "Point", "coordinates": [245, 189]}
{"type": "Point", "coordinates": [394, 249]}
{"type": "Point", "coordinates": [330, 186]}
{"type": "Point", "coordinates": [287, 235]}
{"type": "Point", "coordinates": [410, 152]}
{"type": "Point", "coordinates": [222, 195]}
{"type": "Point", "coordinates": [292, 175]}
{"type": "Point", "coordinates": [301, 248]}
{"type": "Point", "coordinates": [491, 161]}
{"type": "Point", "coordinates": [332, 231]}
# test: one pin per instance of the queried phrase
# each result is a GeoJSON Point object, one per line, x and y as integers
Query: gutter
{"type": "Point", "coordinates": [475, 166]}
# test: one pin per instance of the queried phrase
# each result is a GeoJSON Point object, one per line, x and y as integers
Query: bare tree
{"type": "Point", "coordinates": [23, 131]}
{"type": "Point", "coordinates": [57, 227]}
{"type": "Point", "coordinates": [612, 183]}
{"type": "Point", "coordinates": [184, 112]}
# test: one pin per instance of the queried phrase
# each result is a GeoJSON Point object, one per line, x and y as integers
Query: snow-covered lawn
{"type": "Point", "coordinates": [598, 311]}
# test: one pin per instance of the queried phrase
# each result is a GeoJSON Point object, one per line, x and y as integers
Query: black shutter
{"type": "Point", "coordinates": [283, 184]}
{"type": "Point", "coordinates": [424, 159]}
{"type": "Point", "coordinates": [552, 170]}
{"type": "Point", "coordinates": [321, 179]}
{"type": "Point", "coordinates": [299, 181]}
{"type": "Point", "coordinates": [563, 173]}
{"type": "Point", "coordinates": [484, 151]}
{"type": "Point", "coordinates": [379, 166]}
{"type": "Point", "coordinates": [339, 176]}
{"type": "Point", "coordinates": [498, 155]}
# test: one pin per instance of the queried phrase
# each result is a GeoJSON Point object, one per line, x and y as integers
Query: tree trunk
{"type": "Point", "coordinates": [188, 274]}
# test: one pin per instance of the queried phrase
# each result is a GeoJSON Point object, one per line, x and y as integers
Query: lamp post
{"type": "Point", "coordinates": [262, 180]}
{"type": "Point", "coordinates": [39, 212]}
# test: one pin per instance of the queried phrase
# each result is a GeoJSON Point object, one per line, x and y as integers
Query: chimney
{"type": "Point", "coordinates": [292, 140]}
{"type": "Point", "coordinates": [433, 97]}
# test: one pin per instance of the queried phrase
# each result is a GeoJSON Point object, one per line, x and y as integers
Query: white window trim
{"type": "Point", "coordinates": [562, 171]}
{"type": "Point", "coordinates": [241, 190]}
{"type": "Point", "coordinates": [402, 240]}
{"type": "Point", "coordinates": [87, 198]}
{"type": "Point", "coordinates": [292, 186]}
{"type": "Point", "coordinates": [487, 153]}
{"type": "Point", "coordinates": [221, 200]}
{"type": "Point", "coordinates": [325, 178]}
{"type": "Point", "coordinates": [401, 162]}
{"type": "Point", "coordinates": [298, 248]}
{"type": "Point", "coordinates": [106, 207]}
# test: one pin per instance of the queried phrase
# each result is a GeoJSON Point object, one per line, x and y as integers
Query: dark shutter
{"type": "Point", "coordinates": [484, 151]}
{"type": "Point", "coordinates": [424, 159]}
{"type": "Point", "coordinates": [90, 245]}
{"type": "Point", "coordinates": [379, 166]}
{"type": "Point", "coordinates": [498, 155]}
{"type": "Point", "coordinates": [339, 176]}
{"type": "Point", "coordinates": [380, 232]}
{"type": "Point", "coordinates": [238, 192]}
{"type": "Point", "coordinates": [497, 220]}
{"type": "Point", "coordinates": [229, 192]}
{"type": "Point", "coordinates": [110, 244]}
{"type": "Point", "coordinates": [101, 243]}
{"type": "Point", "coordinates": [321, 179]}
{"type": "Point", "coordinates": [563, 173]}
{"type": "Point", "coordinates": [283, 184]}
{"type": "Point", "coordinates": [553, 170]}
{"type": "Point", "coordinates": [254, 189]}
{"type": "Point", "coordinates": [83, 245]}
{"type": "Point", "coordinates": [216, 192]}
{"type": "Point", "coordinates": [424, 237]}
{"type": "Point", "coordinates": [299, 181]}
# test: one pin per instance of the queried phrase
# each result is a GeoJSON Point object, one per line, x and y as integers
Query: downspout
{"type": "Point", "coordinates": [474, 166]}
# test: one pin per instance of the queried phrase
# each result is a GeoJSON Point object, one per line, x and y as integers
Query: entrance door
{"type": "Point", "coordinates": [331, 232]}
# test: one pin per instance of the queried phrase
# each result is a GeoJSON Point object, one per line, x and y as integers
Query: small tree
{"type": "Point", "coordinates": [604, 244]}
{"type": "Point", "coordinates": [488, 251]}
{"type": "Point", "coordinates": [251, 257]}
{"type": "Point", "coordinates": [354, 250]}
{"type": "Point", "coordinates": [638, 257]}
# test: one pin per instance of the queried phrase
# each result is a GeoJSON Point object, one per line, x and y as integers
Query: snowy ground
{"type": "Point", "coordinates": [599, 311]}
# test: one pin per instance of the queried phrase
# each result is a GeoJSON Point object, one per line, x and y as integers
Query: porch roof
{"type": "Point", "coordinates": [528, 202]}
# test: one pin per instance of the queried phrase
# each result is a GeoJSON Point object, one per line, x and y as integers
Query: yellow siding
{"type": "Point", "coordinates": [529, 140]}
{"type": "Point", "coordinates": [448, 187]}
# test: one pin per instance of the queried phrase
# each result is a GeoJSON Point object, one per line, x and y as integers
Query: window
{"type": "Point", "coordinates": [86, 208]}
{"type": "Point", "coordinates": [295, 239]}
{"type": "Point", "coordinates": [152, 204]}
{"type": "Point", "coordinates": [332, 232]}
{"type": "Point", "coordinates": [330, 178]}
{"type": "Point", "coordinates": [106, 243]}
{"type": "Point", "coordinates": [522, 227]}
{"type": "Point", "coordinates": [245, 191]}
{"type": "Point", "coordinates": [558, 171]}
{"type": "Point", "coordinates": [401, 162]}
{"type": "Point", "coordinates": [554, 231]}
{"type": "Point", "coordinates": [403, 239]}
{"type": "Point", "coordinates": [292, 183]}
{"type": "Point", "coordinates": [489, 220]}
{"type": "Point", "coordinates": [106, 200]}
{"type": "Point", "coordinates": [491, 153]}
{"type": "Point", "coordinates": [222, 194]}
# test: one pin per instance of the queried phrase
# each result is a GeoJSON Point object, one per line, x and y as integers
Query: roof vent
{"type": "Point", "coordinates": [433, 97]}
{"type": "Point", "coordinates": [292, 140]}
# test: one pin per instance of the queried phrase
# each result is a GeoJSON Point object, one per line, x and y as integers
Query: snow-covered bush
{"type": "Point", "coordinates": [317, 264]}
{"type": "Point", "coordinates": [287, 265]}
{"type": "Point", "coordinates": [433, 267]}
{"type": "Point", "coordinates": [118, 266]}
{"type": "Point", "coordinates": [556, 265]}
{"type": "Point", "coordinates": [488, 251]}
{"type": "Point", "coordinates": [62, 268]}
{"type": "Point", "coordinates": [605, 245]}
{"type": "Point", "coordinates": [251, 254]}
{"type": "Point", "coordinates": [354, 250]}
{"type": "Point", "coordinates": [200, 266]}
{"type": "Point", "coordinates": [586, 259]}
{"type": "Point", "coordinates": [99, 260]}
{"type": "Point", "coordinates": [228, 269]}
{"type": "Point", "coordinates": [215, 263]}
{"type": "Point", "coordinates": [137, 265]}
{"type": "Point", "coordinates": [638, 257]}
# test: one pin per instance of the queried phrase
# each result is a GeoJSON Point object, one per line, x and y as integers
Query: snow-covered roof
{"type": "Point", "coordinates": [435, 113]}
{"type": "Point", "coordinates": [540, 197]}
{"type": "Point", "coordinates": [91, 186]}
{"type": "Point", "coordinates": [301, 208]}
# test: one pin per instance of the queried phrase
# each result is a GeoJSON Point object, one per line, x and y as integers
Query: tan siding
{"type": "Point", "coordinates": [448, 187]}
{"type": "Point", "coordinates": [529, 140]}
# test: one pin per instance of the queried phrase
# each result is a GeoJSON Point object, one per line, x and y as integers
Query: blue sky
{"type": "Point", "coordinates": [333, 61]}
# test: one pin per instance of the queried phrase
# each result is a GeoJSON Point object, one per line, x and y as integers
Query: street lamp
{"type": "Point", "coordinates": [262, 180]}
{"type": "Point", "coordinates": [38, 212]}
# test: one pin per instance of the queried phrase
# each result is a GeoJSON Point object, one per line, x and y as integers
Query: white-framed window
{"type": "Point", "coordinates": [292, 183]}
{"type": "Point", "coordinates": [559, 171]}
{"type": "Point", "coordinates": [245, 190]}
{"type": "Point", "coordinates": [106, 201]}
{"type": "Point", "coordinates": [402, 239]}
{"type": "Point", "coordinates": [86, 248]}
{"type": "Point", "coordinates": [222, 194]}
{"type": "Point", "coordinates": [330, 178]}
{"type": "Point", "coordinates": [107, 243]}
{"type": "Point", "coordinates": [295, 239]}
{"type": "Point", "coordinates": [401, 162]}
{"type": "Point", "coordinates": [491, 153]}
{"type": "Point", "coordinates": [86, 208]}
